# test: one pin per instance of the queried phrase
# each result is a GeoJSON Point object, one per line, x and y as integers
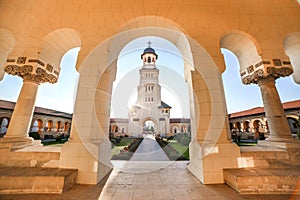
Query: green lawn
{"type": "Point", "coordinates": [182, 149]}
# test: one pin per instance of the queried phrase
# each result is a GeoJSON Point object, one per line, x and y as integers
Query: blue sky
{"type": "Point", "coordinates": [61, 96]}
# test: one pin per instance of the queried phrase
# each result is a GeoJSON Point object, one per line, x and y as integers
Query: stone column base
{"type": "Point", "coordinates": [91, 160]}
{"type": "Point", "coordinates": [207, 161]}
{"type": "Point", "coordinates": [292, 147]}
{"type": "Point", "coordinates": [288, 139]}
{"type": "Point", "coordinates": [17, 142]}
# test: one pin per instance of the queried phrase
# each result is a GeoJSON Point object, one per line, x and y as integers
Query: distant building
{"type": "Point", "coordinates": [255, 121]}
{"type": "Point", "coordinates": [44, 121]}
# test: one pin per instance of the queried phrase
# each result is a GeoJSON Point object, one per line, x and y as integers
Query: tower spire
{"type": "Point", "coordinates": [149, 43]}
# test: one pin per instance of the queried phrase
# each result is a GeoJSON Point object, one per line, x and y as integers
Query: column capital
{"type": "Point", "coordinates": [34, 70]}
{"type": "Point", "coordinates": [266, 70]}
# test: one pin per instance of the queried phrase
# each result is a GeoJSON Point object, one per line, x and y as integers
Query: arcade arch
{"type": "Point", "coordinates": [4, 122]}
{"type": "Point", "coordinates": [37, 125]}
{"type": "Point", "coordinates": [94, 91]}
{"type": "Point", "coordinates": [292, 48]}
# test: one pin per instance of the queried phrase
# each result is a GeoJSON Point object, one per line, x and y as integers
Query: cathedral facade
{"type": "Point", "coordinates": [149, 115]}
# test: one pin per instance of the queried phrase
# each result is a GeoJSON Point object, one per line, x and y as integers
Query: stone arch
{"type": "Point", "coordinates": [7, 43]}
{"type": "Point", "coordinates": [258, 127]}
{"type": "Point", "coordinates": [174, 129]}
{"type": "Point", "coordinates": [67, 126]}
{"type": "Point", "coordinates": [115, 128]}
{"type": "Point", "coordinates": [293, 124]}
{"type": "Point", "coordinates": [4, 123]}
{"type": "Point", "coordinates": [97, 71]}
{"type": "Point", "coordinates": [155, 123]}
{"type": "Point", "coordinates": [246, 125]}
{"type": "Point", "coordinates": [292, 48]}
{"type": "Point", "coordinates": [37, 125]}
{"type": "Point", "coordinates": [58, 125]}
{"type": "Point", "coordinates": [49, 125]}
{"type": "Point", "coordinates": [56, 43]}
{"type": "Point", "coordinates": [237, 126]}
{"type": "Point", "coordinates": [246, 49]}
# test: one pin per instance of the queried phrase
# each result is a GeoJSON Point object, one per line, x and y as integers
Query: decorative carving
{"type": "Point", "coordinates": [43, 76]}
{"type": "Point", "coordinates": [36, 61]}
{"type": "Point", "coordinates": [11, 60]}
{"type": "Point", "coordinates": [266, 62]}
{"type": "Point", "coordinates": [31, 72]}
{"type": "Point", "coordinates": [258, 64]}
{"type": "Point", "coordinates": [18, 70]}
{"type": "Point", "coordinates": [254, 77]}
{"type": "Point", "coordinates": [250, 69]}
{"type": "Point", "coordinates": [277, 62]}
{"type": "Point", "coordinates": [21, 60]}
{"type": "Point", "coordinates": [49, 68]}
{"type": "Point", "coordinates": [279, 72]}
{"type": "Point", "coordinates": [272, 68]}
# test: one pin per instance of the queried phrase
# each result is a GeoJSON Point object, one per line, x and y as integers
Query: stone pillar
{"type": "Point", "coordinates": [264, 73]}
{"type": "Point", "coordinates": [33, 71]}
{"type": "Point", "coordinates": [276, 118]}
{"type": "Point", "coordinates": [22, 115]}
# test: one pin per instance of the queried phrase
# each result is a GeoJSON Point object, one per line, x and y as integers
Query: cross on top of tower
{"type": "Point", "coordinates": [149, 43]}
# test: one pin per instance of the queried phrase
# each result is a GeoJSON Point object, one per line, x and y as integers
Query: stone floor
{"type": "Point", "coordinates": [172, 181]}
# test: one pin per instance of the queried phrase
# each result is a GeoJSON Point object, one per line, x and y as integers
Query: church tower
{"type": "Point", "coordinates": [149, 115]}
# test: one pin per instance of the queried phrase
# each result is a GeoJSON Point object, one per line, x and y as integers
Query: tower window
{"type": "Point", "coordinates": [149, 59]}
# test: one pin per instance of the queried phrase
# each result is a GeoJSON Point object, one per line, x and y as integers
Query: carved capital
{"type": "Point", "coordinates": [31, 70]}
{"type": "Point", "coordinates": [273, 68]}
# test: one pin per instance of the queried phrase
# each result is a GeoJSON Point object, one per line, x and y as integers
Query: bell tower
{"type": "Point", "coordinates": [149, 106]}
{"type": "Point", "coordinates": [149, 88]}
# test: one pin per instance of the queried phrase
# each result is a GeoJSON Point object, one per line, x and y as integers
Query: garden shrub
{"type": "Point", "coordinates": [35, 135]}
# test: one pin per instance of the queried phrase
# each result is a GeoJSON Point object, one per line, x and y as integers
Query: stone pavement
{"type": "Point", "coordinates": [171, 182]}
{"type": "Point", "coordinates": [149, 150]}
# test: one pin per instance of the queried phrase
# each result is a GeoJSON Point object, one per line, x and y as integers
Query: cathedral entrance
{"type": "Point", "coordinates": [148, 127]}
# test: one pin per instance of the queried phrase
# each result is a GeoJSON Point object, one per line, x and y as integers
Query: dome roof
{"type": "Point", "coordinates": [149, 50]}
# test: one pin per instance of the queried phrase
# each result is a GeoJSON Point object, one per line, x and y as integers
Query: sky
{"type": "Point", "coordinates": [61, 96]}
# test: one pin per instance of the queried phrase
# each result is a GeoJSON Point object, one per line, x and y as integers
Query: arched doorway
{"type": "Point", "coordinates": [149, 127]}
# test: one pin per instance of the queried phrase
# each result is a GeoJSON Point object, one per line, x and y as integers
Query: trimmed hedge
{"type": "Point", "coordinates": [127, 152]}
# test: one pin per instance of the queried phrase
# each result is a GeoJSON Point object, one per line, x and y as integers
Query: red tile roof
{"type": "Point", "coordinates": [260, 110]}
{"type": "Point", "coordinates": [11, 105]}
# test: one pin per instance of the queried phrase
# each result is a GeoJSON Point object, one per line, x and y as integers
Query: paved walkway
{"type": "Point", "coordinates": [149, 150]}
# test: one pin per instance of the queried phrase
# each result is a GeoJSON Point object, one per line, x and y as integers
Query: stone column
{"type": "Point", "coordinates": [276, 118]}
{"type": "Point", "coordinates": [264, 73]}
{"type": "Point", "coordinates": [22, 115]}
{"type": "Point", "coordinates": [33, 71]}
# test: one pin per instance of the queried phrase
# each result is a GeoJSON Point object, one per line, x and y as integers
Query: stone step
{"type": "Point", "coordinates": [263, 180]}
{"type": "Point", "coordinates": [20, 180]}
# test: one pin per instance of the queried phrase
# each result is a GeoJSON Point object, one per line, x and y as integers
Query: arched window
{"type": "Point", "coordinates": [149, 59]}
{"type": "Point", "coordinates": [3, 125]}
